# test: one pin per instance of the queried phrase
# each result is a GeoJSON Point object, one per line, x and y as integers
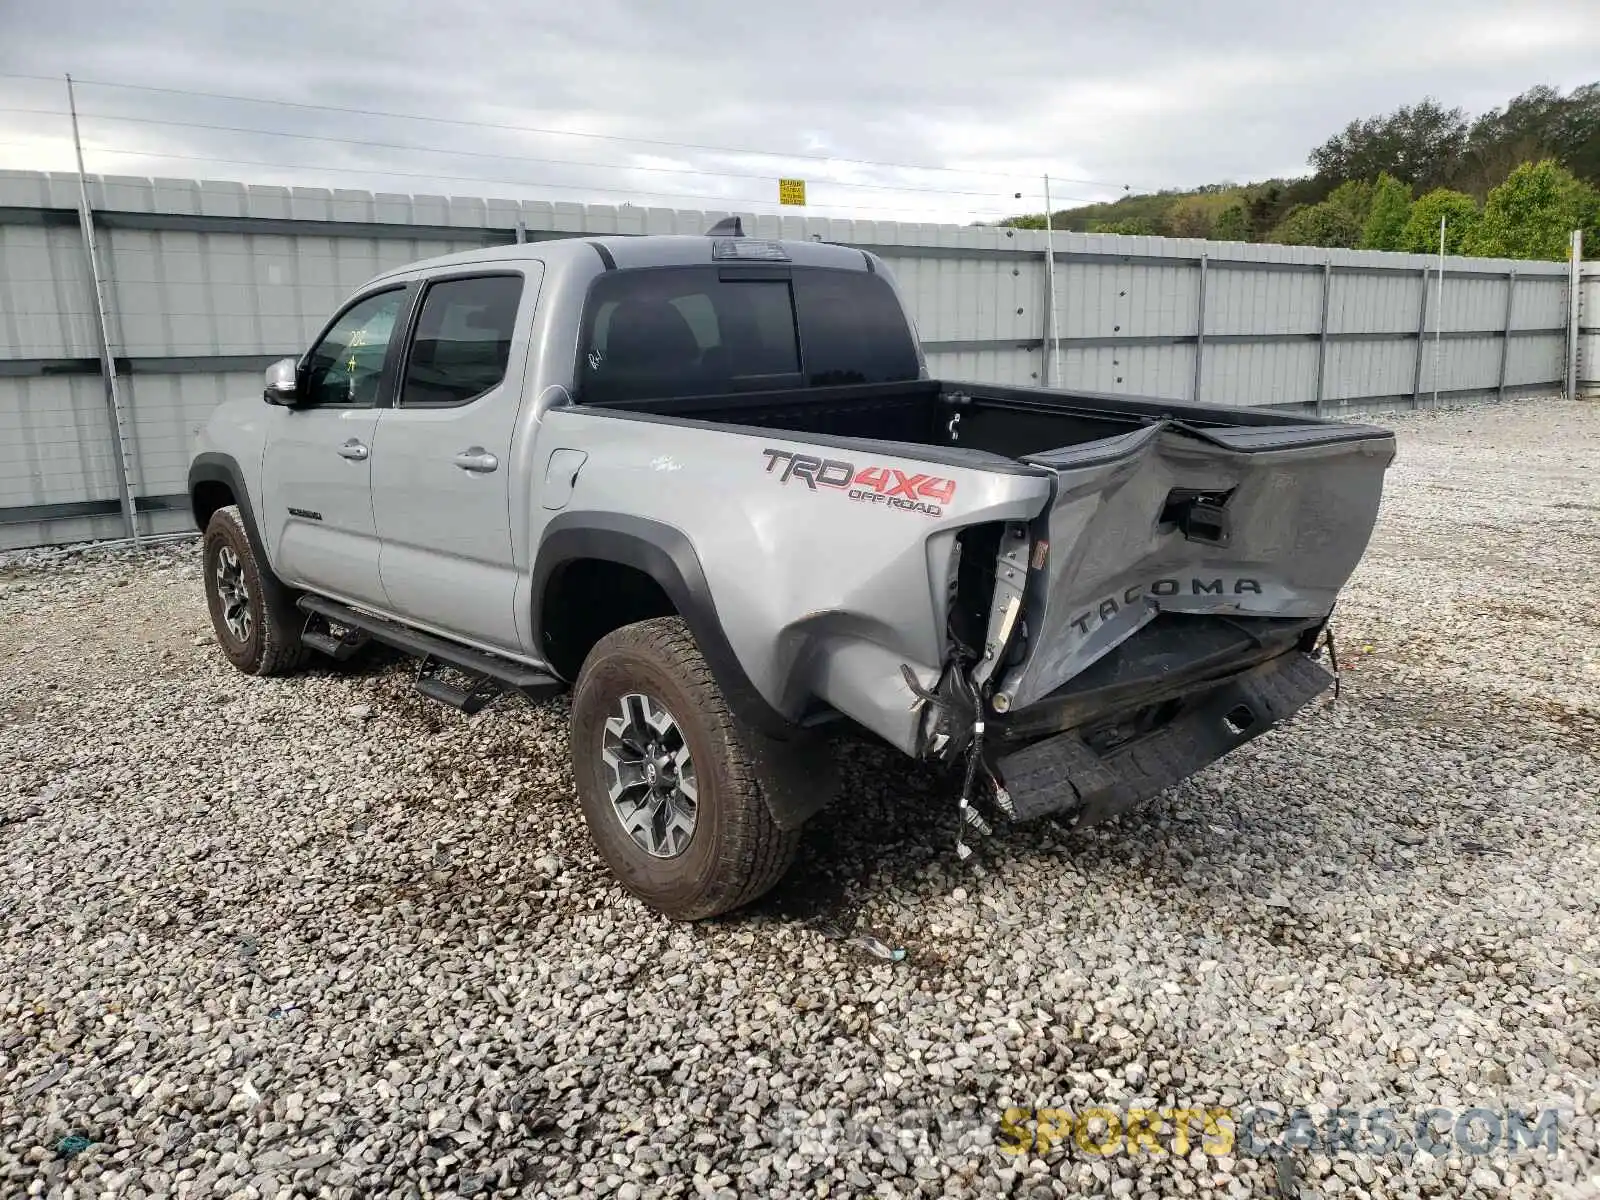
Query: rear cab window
{"type": "Point", "coordinates": [663, 332]}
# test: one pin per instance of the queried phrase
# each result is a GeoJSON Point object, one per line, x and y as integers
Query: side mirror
{"type": "Point", "coordinates": [282, 387]}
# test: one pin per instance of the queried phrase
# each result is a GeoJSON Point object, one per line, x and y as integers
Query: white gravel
{"type": "Point", "coordinates": [316, 936]}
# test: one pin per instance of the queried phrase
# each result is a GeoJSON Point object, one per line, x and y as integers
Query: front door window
{"type": "Point", "coordinates": [346, 366]}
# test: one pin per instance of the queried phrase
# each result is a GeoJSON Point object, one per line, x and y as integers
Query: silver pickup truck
{"type": "Point", "coordinates": [707, 483]}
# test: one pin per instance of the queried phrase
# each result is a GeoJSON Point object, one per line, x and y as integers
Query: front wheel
{"type": "Point", "coordinates": [670, 791]}
{"type": "Point", "coordinates": [252, 612]}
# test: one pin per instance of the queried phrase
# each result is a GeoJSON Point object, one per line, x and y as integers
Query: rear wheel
{"type": "Point", "coordinates": [670, 790]}
{"type": "Point", "coordinates": [254, 616]}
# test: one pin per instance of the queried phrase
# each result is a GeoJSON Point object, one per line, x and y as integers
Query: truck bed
{"type": "Point", "coordinates": [1180, 541]}
{"type": "Point", "coordinates": [1008, 421]}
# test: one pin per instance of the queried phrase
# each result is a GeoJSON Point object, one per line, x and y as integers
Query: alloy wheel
{"type": "Point", "coordinates": [234, 593]}
{"type": "Point", "coordinates": [650, 776]}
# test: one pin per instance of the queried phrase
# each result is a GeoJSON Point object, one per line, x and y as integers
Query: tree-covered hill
{"type": "Point", "coordinates": [1512, 182]}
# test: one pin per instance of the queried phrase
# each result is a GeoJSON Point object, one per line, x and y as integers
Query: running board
{"type": "Point", "coordinates": [469, 696]}
{"type": "Point", "coordinates": [319, 635]}
{"type": "Point", "coordinates": [504, 672]}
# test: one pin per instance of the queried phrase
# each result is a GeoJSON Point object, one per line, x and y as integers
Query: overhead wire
{"type": "Point", "coordinates": [86, 116]}
{"type": "Point", "coordinates": [460, 121]}
{"type": "Point", "coordinates": [721, 201]}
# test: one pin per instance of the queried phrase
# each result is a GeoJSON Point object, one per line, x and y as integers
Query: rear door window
{"type": "Point", "coordinates": [462, 342]}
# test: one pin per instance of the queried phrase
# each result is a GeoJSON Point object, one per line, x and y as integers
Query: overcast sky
{"type": "Point", "coordinates": [1138, 93]}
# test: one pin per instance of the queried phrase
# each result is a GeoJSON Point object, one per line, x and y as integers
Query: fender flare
{"type": "Point", "coordinates": [212, 466]}
{"type": "Point", "coordinates": [666, 555]}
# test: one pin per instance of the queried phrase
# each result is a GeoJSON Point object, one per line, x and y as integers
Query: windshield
{"type": "Point", "coordinates": [705, 331]}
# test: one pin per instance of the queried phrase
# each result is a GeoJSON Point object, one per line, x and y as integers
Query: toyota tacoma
{"type": "Point", "coordinates": [707, 484]}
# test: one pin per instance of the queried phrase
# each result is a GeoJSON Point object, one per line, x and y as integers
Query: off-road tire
{"type": "Point", "coordinates": [273, 645]}
{"type": "Point", "coordinates": [736, 852]}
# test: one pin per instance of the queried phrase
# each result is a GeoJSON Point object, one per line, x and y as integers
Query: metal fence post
{"type": "Point", "coordinates": [108, 364]}
{"type": "Point", "coordinates": [1322, 335]}
{"type": "Point", "coordinates": [1053, 337]}
{"type": "Point", "coordinates": [1047, 320]}
{"type": "Point", "coordinates": [1422, 331]}
{"type": "Point", "coordinates": [1505, 342]}
{"type": "Point", "coordinates": [1574, 290]}
{"type": "Point", "coordinates": [1199, 328]}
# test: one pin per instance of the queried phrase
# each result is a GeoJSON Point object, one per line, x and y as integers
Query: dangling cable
{"type": "Point", "coordinates": [1333, 659]}
{"type": "Point", "coordinates": [1002, 798]}
{"type": "Point", "coordinates": [967, 697]}
{"type": "Point", "coordinates": [968, 814]}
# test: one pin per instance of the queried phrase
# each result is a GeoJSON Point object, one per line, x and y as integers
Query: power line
{"type": "Point", "coordinates": [517, 158]}
{"type": "Point", "coordinates": [611, 137]}
{"type": "Point", "coordinates": [721, 201]}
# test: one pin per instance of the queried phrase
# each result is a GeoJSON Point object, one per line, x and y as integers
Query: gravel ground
{"type": "Point", "coordinates": [316, 936]}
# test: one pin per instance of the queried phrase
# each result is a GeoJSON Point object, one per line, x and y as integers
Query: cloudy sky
{"type": "Point", "coordinates": [704, 104]}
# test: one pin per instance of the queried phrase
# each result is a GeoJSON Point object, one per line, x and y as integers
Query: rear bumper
{"type": "Point", "coordinates": [1064, 776]}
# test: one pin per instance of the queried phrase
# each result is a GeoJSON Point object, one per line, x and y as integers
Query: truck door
{"type": "Point", "coordinates": [316, 473]}
{"type": "Point", "coordinates": [441, 465]}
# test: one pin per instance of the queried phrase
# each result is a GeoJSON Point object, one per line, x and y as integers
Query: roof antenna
{"type": "Point", "coordinates": [727, 227]}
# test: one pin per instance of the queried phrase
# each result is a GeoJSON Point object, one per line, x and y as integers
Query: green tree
{"type": "Point", "coordinates": [1577, 136]}
{"type": "Point", "coordinates": [1353, 196]}
{"type": "Point", "coordinates": [1540, 123]}
{"type": "Point", "coordinates": [1194, 216]}
{"type": "Point", "coordinates": [1533, 213]}
{"type": "Point", "coordinates": [1133, 225]}
{"type": "Point", "coordinates": [1386, 215]}
{"type": "Point", "coordinates": [1325, 224]}
{"type": "Point", "coordinates": [1232, 224]}
{"type": "Point", "coordinates": [1423, 145]}
{"type": "Point", "coordinates": [1266, 206]}
{"type": "Point", "coordinates": [1418, 144]}
{"type": "Point", "coordinates": [1502, 140]}
{"type": "Point", "coordinates": [1421, 232]}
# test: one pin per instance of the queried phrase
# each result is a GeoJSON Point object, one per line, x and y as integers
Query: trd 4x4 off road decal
{"type": "Point", "coordinates": [871, 485]}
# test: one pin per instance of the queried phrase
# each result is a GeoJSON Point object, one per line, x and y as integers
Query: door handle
{"type": "Point", "coordinates": [353, 450]}
{"type": "Point", "coordinates": [477, 460]}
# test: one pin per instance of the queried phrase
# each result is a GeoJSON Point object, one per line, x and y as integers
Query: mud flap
{"type": "Point", "coordinates": [799, 777]}
{"type": "Point", "coordinates": [1062, 775]}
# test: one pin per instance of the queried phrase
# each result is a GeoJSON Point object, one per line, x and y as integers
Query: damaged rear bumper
{"type": "Point", "coordinates": [1065, 776]}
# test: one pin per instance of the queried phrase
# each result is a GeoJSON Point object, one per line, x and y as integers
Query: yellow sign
{"type": "Point", "coordinates": [792, 191]}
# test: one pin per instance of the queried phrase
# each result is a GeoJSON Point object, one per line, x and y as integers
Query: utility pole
{"type": "Point", "coordinates": [1438, 319]}
{"type": "Point", "coordinates": [1574, 312]}
{"type": "Point", "coordinates": [108, 364]}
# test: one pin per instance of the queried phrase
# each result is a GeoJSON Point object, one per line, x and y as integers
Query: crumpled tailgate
{"type": "Point", "coordinates": [1265, 520]}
